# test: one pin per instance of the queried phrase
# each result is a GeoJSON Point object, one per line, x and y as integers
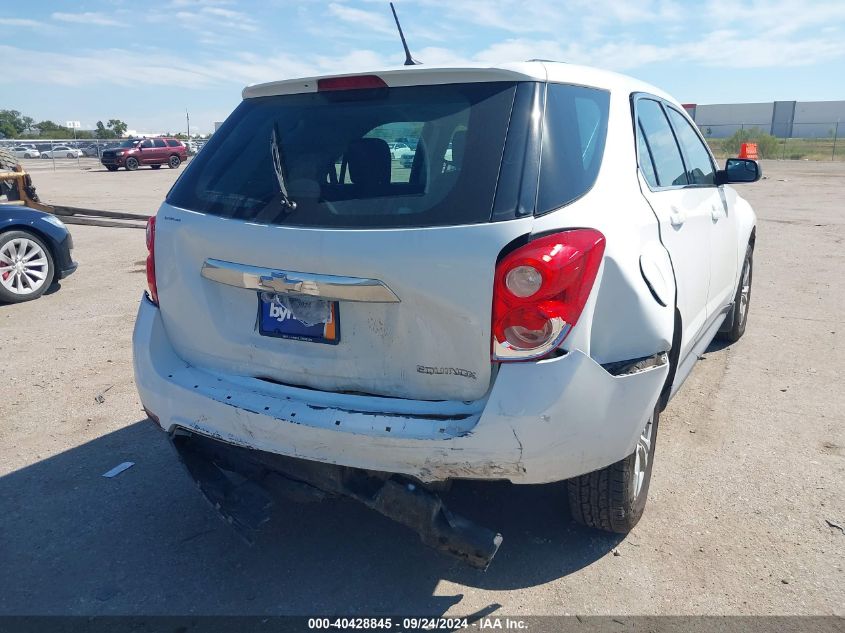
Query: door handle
{"type": "Point", "coordinates": [677, 218]}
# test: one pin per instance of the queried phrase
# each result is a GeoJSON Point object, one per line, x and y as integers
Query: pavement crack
{"type": "Point", "coordinates": [518, 441]}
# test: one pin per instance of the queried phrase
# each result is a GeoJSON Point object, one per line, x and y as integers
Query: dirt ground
{"type": "Point", "coordinates": [747, 488]}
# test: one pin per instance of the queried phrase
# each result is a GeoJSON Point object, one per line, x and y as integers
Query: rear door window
{"type": "Point", "coordinates": [574, 134]}
{"type": "Point", "coordinates": [668, 164]}
{"type": "Point", "coordinates": [337, 164]}
{"type": "Point", "coordinates": [159, 143]}
{"type": "Point", "coordinates": [700, 169]}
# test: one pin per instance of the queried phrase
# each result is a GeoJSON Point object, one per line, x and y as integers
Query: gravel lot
{"type": "Point", "coordinates": [750, 463]}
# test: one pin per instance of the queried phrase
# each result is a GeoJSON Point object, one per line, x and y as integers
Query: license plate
{"type": "Point", "coordinates": [299, 318]}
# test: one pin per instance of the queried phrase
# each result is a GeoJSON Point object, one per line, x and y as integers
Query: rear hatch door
{"type": "Point", "coordinates": [296, 249]}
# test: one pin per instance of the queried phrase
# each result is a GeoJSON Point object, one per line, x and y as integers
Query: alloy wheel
{"type": "Point", "coordinates": [642, 455]}
{"type": "Point", "coordinates": [23, 266]}
{"type": "Point", "coordinates": [745, 291]}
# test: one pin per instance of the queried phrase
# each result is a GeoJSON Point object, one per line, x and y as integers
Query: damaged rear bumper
{"type": "Point", "coordinates": [540, 422]}
{"type": "Point", "coordinates": [243, 486]}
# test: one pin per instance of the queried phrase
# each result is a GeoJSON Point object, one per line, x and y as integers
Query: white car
{"type": "Point", "coordinates": [62, 151]}
{"type": "Point", "coordinates": [25, 152]}
{"type": "Point", "coordinates": [319, 315]}
{"type": "Point", "coordinates": [398, 150]}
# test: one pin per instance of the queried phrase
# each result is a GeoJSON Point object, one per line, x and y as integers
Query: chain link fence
{"type": "Point", "coordinates": [56, 154]}
{"type": "Point", "coordinates": [808, 141]}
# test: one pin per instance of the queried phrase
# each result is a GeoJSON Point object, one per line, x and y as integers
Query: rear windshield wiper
{"type": "Point", "coordinates": [278, 167]}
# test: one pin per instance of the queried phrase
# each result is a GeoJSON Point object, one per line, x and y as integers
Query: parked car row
{"type": "Point", "coordinates": [80, 149]}
{"type": "Point", "coordinates": [54, 150]}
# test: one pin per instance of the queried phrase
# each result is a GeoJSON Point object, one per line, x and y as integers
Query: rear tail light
{"type": "Point", "coordinates": [151, 260]}
{"type": "Point", "coordinates": [540, 290]}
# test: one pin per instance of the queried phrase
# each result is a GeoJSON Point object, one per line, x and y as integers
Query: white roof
{"type": "Point", "coordinates": [425, 75]}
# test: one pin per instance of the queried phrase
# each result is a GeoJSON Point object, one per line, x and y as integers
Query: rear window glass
{"type": "Point", "coordinates": [411, 156]}
{"type": "Point", "coordinates": [574, 134]}
{"type": "Point", "coordinates": [173, 143]}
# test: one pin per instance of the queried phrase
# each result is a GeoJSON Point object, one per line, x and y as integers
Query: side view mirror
{"type": "Point", "coordinates": [739, 170]}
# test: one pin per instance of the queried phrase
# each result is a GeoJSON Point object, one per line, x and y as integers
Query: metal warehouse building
{"type": "Point", "coordinates": [784, 119]}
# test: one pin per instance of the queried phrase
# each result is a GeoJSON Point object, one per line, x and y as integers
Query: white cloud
{"type": "Point", "coordinates": [199, 3]}
{"type": "Point", "coordinates": [604, 33]}
{"type": "Point", "coordinates": [564, 19]}
{"type": "Point", "coordinates": [214, 24]}
{"type": "Point", "coordinates": [121, 67]}
{"type": "Point", "coordinates": [21, 22]}
{"type": "Point", "coordinates": [88, 18]}
{"type": "Point", "coordinates": [724, 48]}
{"type": "Point", "coordinates": [372, 21]}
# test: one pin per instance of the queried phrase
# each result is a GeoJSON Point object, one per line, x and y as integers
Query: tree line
{"type": "Point", "coordinates": [13, 124]}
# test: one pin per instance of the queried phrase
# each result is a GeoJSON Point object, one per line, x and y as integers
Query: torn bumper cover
{"type": "Point", "coordinates": [243, 485]}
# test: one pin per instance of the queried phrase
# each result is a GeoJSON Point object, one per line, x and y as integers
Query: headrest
{"type": "Point", "coordinates": [369, 161]}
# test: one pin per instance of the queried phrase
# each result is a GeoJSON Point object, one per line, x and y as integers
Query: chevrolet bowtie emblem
{"type": "Point", "coordinates": [280, 283]}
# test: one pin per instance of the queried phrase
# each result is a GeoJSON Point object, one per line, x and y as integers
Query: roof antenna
{"type": "Point", "coordinates": [409, 61]}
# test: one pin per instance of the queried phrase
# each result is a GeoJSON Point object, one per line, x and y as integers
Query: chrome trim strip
{"type": "Point", "coordinates": [289, 282]}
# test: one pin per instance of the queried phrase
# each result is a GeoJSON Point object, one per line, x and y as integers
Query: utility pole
{"type": "Point", "coordinates": [188, 119]}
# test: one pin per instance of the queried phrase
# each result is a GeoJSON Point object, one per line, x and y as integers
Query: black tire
{"type": "Point", "coordinates": [156, 166]}
{"type": "Point", "coordinates": [27, 155]}
{"type": "Point", "coordinates": [111, 167]}
{"type": "Point", "coordinates": [734, 326]}
{"type": "Point", "coordinates": [69, 155]}
{"type": "Point", "coordinates": [7, 295]}
{"type": "Point", "coordinates": [611, 499]}
{"type": "Point", "coordinates": [132, 163]}
{"type": "Point", "coordinates": [174, 161]}
{"type": "Point", "coordinates": [45, 157]}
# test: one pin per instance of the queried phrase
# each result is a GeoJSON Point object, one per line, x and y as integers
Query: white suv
{"type": "Point", "coordinates": [520, 311]}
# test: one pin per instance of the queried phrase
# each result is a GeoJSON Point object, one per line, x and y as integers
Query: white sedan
{"type": "Point", "coordinates": [525, 315]}
{"type": "Point", "coordinates": [398, 150]}
{"type": "Point", "coordinates": [62, 151]}
{"type": "Point", "coordinates": [25, 152]}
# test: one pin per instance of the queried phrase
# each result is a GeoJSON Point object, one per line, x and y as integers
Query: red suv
{"type": "Point", "coordinates": [154, 152]}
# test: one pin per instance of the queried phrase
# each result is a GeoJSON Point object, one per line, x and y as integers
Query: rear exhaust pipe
{"type": "Point", "coordinates": [243, 484]}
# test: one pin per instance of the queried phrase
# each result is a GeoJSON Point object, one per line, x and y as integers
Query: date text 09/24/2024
{"type": "Point", "coordinates": [416, 624]}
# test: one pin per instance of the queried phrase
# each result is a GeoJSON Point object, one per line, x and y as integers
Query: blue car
{"type": "Point", "coordinates": [35, 251]}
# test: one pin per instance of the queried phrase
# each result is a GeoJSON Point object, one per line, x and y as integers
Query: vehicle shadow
{"type": "Point", "coordinates": [717, 345]}
{"type": "Point", "coordinates": [146, 542]}
{"type": "Point", "coordinates": [54, 287]}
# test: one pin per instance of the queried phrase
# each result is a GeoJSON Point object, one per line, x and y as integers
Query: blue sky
{"type": "Point", "coordinates": [147, 61]}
